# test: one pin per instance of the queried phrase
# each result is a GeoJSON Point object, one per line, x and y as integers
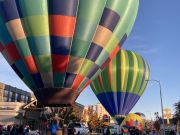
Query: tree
{"type": "Point", "coordinates": [85, 116]}
{"type": "Point", "coordinates": [93, 121]}
{"type": "Point", "coordinates": [72, 116]}
{"type": "Point", "coordinates": [157, 123]}
{"type": "Point", "coordinates": [177, 114]}
{"type": "Point", "coordinates": [177, 111]}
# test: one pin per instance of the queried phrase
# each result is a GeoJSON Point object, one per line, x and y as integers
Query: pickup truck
{"type": "Point", "coordinates": [77, 128]}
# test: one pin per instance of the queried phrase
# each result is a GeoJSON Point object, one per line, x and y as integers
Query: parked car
{"type": "Point", "coordinates": [114, 129]}
{"type": "Point", "coordinates": [77, 128]}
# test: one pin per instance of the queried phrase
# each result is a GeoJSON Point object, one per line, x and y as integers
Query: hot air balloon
{"type": "Point", "coordinates": [57, 46]}
{"type": "Point", "coordinates": [133, 120]}
{"type": "Point", "coordinates": [121, 84]}
{"type": "Point", "coordinates": [142, 115]}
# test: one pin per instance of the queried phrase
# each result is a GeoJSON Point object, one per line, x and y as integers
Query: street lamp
{"type": "Point", "coordinates": [158, 82]}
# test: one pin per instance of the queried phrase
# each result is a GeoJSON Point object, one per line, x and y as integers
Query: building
{"type": "Point", "coordinates": [12, 94]}
{"type": "Point", "coordinates": [101, 111]}
{"type": "Point", "coordinates": [11, 102]}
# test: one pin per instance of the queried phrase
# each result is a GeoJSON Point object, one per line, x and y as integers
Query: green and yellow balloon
{"type": "Point", "coordinates": [121, 84]}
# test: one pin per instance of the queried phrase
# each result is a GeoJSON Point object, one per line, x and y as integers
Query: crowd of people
{"type": "Point", "coordinates": [27, 130]}
{"type": "Point", "coordinates": [53, 127]}
{"type": "Point", "coordinates": [17, 130]}
{"type": "Point", "coordinates": [135, 131]}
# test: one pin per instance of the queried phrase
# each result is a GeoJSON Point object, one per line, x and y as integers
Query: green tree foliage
{"type": "Point", "coordinates": [177, 111]}
{"type": "Point", "coordinates": [177, 115]}
{"type": "Point", "coordinates": [157, 122]}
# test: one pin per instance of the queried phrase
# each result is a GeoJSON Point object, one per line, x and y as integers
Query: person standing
{"type": "Point", "coordinates": [53, 127]}
{"type": "Point", "coordinates": [44, 127]}
{"type": "Point", "coordinates": [13, 130]}
{"type": "Point", "coordinates": [153, 133]}
{"type": "Point", "coordinates": [20, 130]}
{"type": "Point", "coordinates": [1, 129]}
{"type": "Point", "coordinates": [27, 130]}
{"type": "Point", "coordinates": [108, 132]}
{"type": "Point", "coordinates": [132, 131]}
{"type": "Point", "coordinates": [172, 132]}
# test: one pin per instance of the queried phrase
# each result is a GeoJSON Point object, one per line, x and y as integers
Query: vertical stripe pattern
{"type": "Point", "coordinates": [121, 83]}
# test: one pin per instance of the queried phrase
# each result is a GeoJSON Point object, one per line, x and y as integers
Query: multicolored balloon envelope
{"type": "Point", "coordinates": [121, 84]}
{"type": "Point", "coordinates": [133, 120]}
{"type": "Point", "coordinates": [142, 115]}
{"type": "Point", "coordinates": [57, 46]}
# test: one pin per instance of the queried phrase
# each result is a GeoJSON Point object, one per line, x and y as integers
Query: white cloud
{"type": "Point", "coordinates": [139, 44]}
{"type": "Point", "coordinates": [150, 51]}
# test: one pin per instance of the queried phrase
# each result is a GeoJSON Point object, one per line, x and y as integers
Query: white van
{"type": "Point", "coordinates": [115, 129]}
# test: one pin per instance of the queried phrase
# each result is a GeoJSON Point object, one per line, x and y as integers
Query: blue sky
{"type": "Point", "coordinates": [156, 37]}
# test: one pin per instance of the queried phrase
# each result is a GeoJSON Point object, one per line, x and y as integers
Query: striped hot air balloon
{"type": "Point", "coordinates": [57, 46]}
{"type": "Point", "coordinates": [121, 84]}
